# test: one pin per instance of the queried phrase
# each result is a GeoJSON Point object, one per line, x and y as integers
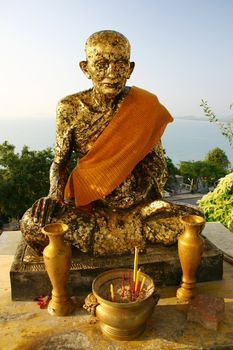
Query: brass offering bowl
{"type": "Point", "coordinates": [121, 320]}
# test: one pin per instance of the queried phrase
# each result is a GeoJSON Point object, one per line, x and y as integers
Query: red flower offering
{"type": "Point", "coordinates": [42, 301]}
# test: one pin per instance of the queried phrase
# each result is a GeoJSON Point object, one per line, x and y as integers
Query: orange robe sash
{"type": "Point", "coordinates": [136, 127]}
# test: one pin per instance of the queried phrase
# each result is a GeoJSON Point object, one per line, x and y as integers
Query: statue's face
{"type": "Point", "coordinates": [109, 68]}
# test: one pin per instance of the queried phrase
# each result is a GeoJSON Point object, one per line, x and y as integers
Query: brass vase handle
{"type": "Point", "coordinates": [91, 304]}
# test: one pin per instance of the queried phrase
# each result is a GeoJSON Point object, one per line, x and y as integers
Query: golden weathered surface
{"type": "Point", "coordinates": [190, 250]}
{"type": "Point", "coordinates": [126, 217]}
{"type": "Point", "coordinates": [24, 326]}
{"type": "Point", "coordinates": [57, 260]}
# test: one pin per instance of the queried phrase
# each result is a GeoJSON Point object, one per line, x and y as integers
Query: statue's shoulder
{"type": "Point", "coordinates": [74, 100]}
{"type": "Point", "coordinates": [70, 107]}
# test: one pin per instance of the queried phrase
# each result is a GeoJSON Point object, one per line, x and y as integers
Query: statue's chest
{"type": "Point", "coordinates": [88, 128]}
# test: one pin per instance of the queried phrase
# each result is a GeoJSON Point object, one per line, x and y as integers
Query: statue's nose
{"type": "Point", "coordinates": [111, 72]}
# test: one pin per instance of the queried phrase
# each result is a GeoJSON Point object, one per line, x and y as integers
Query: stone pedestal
{"type": "Point", "coordinates": [29, 278]}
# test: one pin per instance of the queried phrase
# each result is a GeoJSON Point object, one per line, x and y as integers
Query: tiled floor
{"type": "Point", "coordinates": [9, 241]}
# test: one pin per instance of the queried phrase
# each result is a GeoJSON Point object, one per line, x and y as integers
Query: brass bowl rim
{"type": "Point", "coordinates": [47, 231]}
{"type": "Point", "coordinates": [118, 304]}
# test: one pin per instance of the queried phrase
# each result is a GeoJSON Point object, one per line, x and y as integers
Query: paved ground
{"type": "Point", "coordinates": [23, 326]}
{"type": "Point", "coordinates": [221, 238]}
{"type": "Point", "coordinates": [186, 197]}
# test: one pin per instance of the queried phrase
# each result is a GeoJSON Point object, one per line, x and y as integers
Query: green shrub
{"type": "Point", "coordinates": [218, 205]}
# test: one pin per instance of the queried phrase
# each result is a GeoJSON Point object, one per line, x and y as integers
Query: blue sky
{"type": "Point", "coordinates": [183, 51]}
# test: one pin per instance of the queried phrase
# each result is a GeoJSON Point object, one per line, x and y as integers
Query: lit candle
{"type": "Point", "coordinates": [112, 292]}
{"type": "Point", "coordinates": [142, 284]}
{"type": "Point", "coordinates": [135, 264]}
{"type": "Point", "coordinates": [137, 279]}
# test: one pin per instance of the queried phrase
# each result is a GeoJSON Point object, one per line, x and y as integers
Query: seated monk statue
{"type": "Point", "coordinates": [113, 200]}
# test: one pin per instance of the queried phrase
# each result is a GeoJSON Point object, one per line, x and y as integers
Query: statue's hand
{"type": "Point", "coordinates": [43, 209]}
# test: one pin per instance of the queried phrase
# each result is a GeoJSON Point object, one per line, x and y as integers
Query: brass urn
{"type": "Point", "coordinates": [57, 259]}
{"type": "Point", "coordinates": [120, 320]}
{"type": "Point", "coordinates": [190, 249]}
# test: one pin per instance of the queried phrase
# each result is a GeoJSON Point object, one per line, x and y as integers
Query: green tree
{"type": "Point", "coordinates": [23, 178]}
{"type": "Point", "coordinates": [218, 157]}
{"type": "Point", "coordinates": [218, 205]}
{"type": "Point", "coordinates": [206, 171]}
{"type": "Point", "coordinates": [171, 183]}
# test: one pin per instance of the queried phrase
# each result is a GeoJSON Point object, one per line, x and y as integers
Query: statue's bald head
{"type": "Point", "coordinates": [107, 38]}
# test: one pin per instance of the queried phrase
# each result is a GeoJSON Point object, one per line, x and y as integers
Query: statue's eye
{"type": "Point", "coordinates": [101, 65]}
{"type": "Point", "coordinates": [121, 63]}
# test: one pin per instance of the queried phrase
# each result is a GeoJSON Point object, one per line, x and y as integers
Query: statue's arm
{"type": "Point", "coordinates": [62, 151]}
{"type": "Point", "coordinates": [43, 209]}
{"type": "Point", "coordinates": [158, 168]}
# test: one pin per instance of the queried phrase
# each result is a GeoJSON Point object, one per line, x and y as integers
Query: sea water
{"type": "Point", "coordinates": [183, 140]}
{"type": "Point", "coordinates": [188, 140]}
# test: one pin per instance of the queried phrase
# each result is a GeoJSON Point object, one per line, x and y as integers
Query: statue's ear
{"type": "Point", "coordinates": [132, 65]}
{"type": "Point", "coordinates": [83, 66]}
